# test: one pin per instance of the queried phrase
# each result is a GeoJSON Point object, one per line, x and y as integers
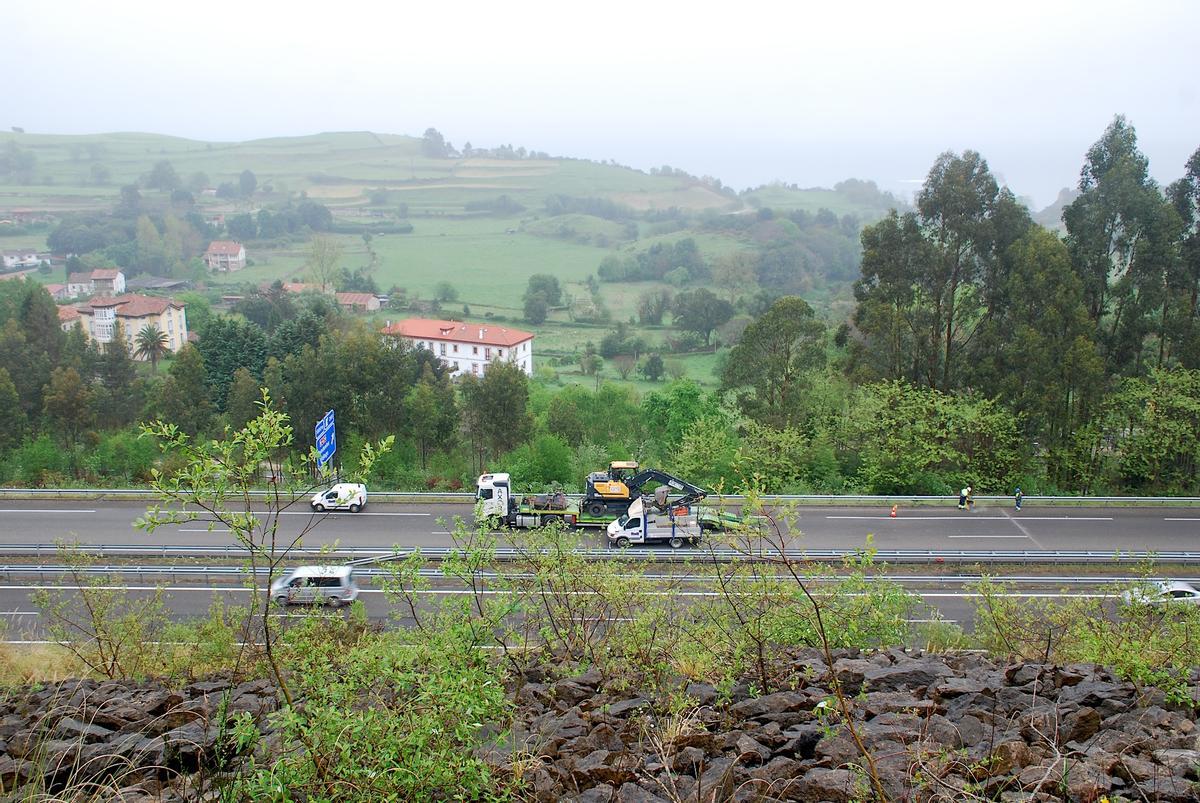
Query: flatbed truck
{"type": "Point", "coordinates": [643, 525]}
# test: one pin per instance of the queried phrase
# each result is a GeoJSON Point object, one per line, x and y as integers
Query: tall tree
{"type": "Point", "coordinates": [226, 345]}
{"type": "Point", "coordinates": [68, 403]}
{"type": "Point", "coordinates": [163, 177]}
{"type": "Point", "coordinates": [1116, 236]}
{"type": "Point", "coordinates": [496, 414]}
{"type": "Point", "coordinates": [183, 397]}
{"type": "Point", "coordinates": [11, 412]}
{"type": "Point", "coordinates": [247, 183]}
{"type": "Point", "coordinates": [324, 256]}
{"type": "Point", "coordinates": [701, 311]}
{"type": "Point", "coordinates": [1181, 307]}
{"type": "Point", "coordinates": [432, 413]}
{"type": "Point", "coordinates": [769, 365]}
{"type": "Point", "coordinates": [242, 403]}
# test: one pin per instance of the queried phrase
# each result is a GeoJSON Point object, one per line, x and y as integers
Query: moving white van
{"type": "Point", "coordinates": [316, 585]}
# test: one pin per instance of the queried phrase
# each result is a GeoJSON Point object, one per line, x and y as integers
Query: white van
{"type": "Point", "coordinates": [316, 585]}
{"type": "Point", "coordinates": [642, 525]}
{"type": "Point", "coordinates": [350, 496]}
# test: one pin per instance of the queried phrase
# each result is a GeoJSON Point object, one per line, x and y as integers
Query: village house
{"type": "Point", "coordinates": [98, 282]}
{"type": "Point", "coordinates": [357, 302]}
{"type": "Point", "coordinates": [466, 348]}
{"type": "Point", "coordinates": [225, 255]}
{"type": "Point", "coordinates": [99, 317]}
{"type": "Point", "coordinates": [20, 259]}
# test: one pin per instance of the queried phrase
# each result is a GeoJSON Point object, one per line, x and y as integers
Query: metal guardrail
{"type": "Point", "coordinates": [416, 497]}
{"type": "Point", "coordinates": [368, 555]}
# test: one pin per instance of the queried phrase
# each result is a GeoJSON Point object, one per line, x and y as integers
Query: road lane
{"type": "Point", "coordinates": [429, 525]}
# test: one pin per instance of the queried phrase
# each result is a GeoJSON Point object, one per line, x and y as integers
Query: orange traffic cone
{"type": "Point", "coordinates": [894, 510]}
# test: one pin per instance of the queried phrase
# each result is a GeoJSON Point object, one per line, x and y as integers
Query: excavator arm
{"type": "Point", "coordinates": [691, 493]}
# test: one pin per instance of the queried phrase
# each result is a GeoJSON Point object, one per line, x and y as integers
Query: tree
{"type": "Point", "coordinates": [652, 367]}
{"type": "Point", "coordinates": [130, 205]}
{"type": "Point", "coordinates": [197, 182]}
{"type": "Point", "coordinates": [183, 397]}
{"type": "Point", "coordinates": [496, 410]}
{"type": "Point", "coordinates": [735, 273]}
{"type": "Point", "coordinates": [700, 311]}
{"type": "Point", "coordinates": [652, 305]}
{"type": "Point", "coordinates": [444, 291]}
{"type": "Point", "coordinates": [10, 410]}
{"type": "Point", "coordinates": [68, 403]}
{"type": "Point", "coordinates": [242, 403]}
{"type": "Point", "coordinates": [226, 345]}
{"type": "Point", "coordinates": [150, 343]}
{"type": "Point", "coordinates": [433, 144]}
{"type": "Point", "coordinates": [247, 183]}
{"type": "Point", "coordinates": [770, 364]}
{"type": "Point", "coordinates": [163, 177]}
{"type": "Point", "coordinates": [548, 286]}
{"type": "Point", "coordinates": [242, 227]}
{"type": "Point", "coordinates": [1118, 242]}
{"type": "Point", "coordinates": [1182, 306]}
{"type": "Point", "coordinates": [432, 413]}
{"type": "Point", "coordinates": [100, 173]}
{"type": "Point", "coordinates": [324, 254]}
{"type": "Point", "coordinates": [314, 215]}
{"type": "Point", "coordinates": [536, 308]}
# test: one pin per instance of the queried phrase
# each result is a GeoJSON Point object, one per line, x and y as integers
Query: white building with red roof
{"type": "Point", "coordinates": [357, 302]}
{"type": "Point", "coordinates": [101, 281]}
{"type": "Point", "coordinates": [467, 348]}
{"type": "Point", "coordinates": [225, 255]}
{"type": "Point", "coordinates": [99, 317]}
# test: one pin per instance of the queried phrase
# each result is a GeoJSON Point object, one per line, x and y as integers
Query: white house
{"type": "Point", "coordinates": [467, 348]}
{"type": "Point", "coordinates": [225, 255]}
{"type": "Point", "coordinates": [101, 281]}
{"type": "Point", "coordinates": [22, 258]}
{"type": "Point", "coordinates": [100, 315]}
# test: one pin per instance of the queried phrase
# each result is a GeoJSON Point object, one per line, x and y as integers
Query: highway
{"type": "Point", "coordinates": [383, 526]}
{"type": "Point", "coordinates": [427, 525]}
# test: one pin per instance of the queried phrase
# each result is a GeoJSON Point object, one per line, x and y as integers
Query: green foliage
{"type": "Point", "coordinates": [544, 462]}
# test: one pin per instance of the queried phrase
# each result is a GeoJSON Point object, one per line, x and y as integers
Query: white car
{"type": "Point", "coordinates": [316, 585]}
{"type": "Point", "coordinates": [350, 496]}
{"type": "Point", "coordinates": [1163, 592]}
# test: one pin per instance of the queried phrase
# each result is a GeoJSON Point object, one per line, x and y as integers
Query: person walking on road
{"type": "Point", "coordinates": [964, 498]}
{"type": "Point", "coordinates": [1018, 497]}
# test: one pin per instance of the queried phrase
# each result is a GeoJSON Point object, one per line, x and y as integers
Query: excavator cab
{"type": "Point", "coordinates": [611, 484]}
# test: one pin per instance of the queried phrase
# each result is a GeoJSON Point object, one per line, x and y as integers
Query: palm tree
{"type": "Point", "coordinates": [151, 344]}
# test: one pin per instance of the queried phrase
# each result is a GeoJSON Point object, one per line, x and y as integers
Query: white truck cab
{"type": "Point", "coordinates": [492, 494]}
{"type": "Point", "coordinates": [641, 525]}
{"type": "Point", "coordinates": [350, 496]}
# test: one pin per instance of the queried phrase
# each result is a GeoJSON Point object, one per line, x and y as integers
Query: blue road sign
{"type": "Point", "coordinates": [326, 437]}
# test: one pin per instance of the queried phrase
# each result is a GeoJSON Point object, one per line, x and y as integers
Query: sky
{"type": "Point", "coordinates": [748, 92]}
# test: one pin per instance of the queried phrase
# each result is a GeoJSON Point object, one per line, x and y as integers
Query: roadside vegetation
{"type": "Point", "coordinates": [402, 709]}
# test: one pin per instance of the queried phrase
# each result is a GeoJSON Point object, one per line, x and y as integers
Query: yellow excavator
{"type": "Point", "coordinates": [614, 490]}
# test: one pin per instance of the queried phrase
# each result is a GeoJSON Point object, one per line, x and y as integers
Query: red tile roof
{"type": "Point", "coordinates": [227, 248]}
{"type": "Point", "coordinates": [67, 313]}
{"type": "Point", "coordinates": [457, 331]}
{"type": "Point", "coordinates": [354, 299]}
{"type": "Point", "coordinates": [105, 273]}
{"type": "Point", "coordinates": [79, 278]}
{"type": "Point", "coordinates": [131, 305]}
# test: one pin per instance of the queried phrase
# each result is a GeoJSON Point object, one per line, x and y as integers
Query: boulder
{"type": "Point", "coordinates": [827, 786]}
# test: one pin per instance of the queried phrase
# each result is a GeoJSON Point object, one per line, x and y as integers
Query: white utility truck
{"type": "Point", "coordinates": [494, 499]}
{"type": "Point", "coordinates": [641, 524]}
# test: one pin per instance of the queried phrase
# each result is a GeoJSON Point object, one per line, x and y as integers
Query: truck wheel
{"type": "Point", "coordinates": [596, 509]}
{"type": "Point", "coordinates": [319, 507]}
{"type": "Point", "coordinates": [552, 521]}
{"type": "Point", "coordinates": [622, 542]}
{"type": "Point", "coordinates": [354, 508]}
{"type": "Point", "coordinates": [676, 542]}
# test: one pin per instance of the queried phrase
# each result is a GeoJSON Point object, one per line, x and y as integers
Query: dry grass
{"type": "Point", "coordinates": [22, 664]}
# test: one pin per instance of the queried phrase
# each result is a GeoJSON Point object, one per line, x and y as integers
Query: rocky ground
{"type": "Point", "coordinates": [937, 727]}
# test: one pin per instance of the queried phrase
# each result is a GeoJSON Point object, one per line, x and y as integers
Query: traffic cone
{"type": "Point", "coordinates": [894, 510]}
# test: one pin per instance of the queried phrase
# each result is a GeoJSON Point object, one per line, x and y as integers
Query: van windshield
{"type": "Point", "coordinates": [621, 522]}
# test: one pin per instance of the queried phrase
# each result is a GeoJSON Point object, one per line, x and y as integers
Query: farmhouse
{"type": "Point", "coordinates": [466, 348]}
{"type": "Point", "coordinates": [99, 317]}
{"type": "Point", "coordinates": [101, 281]}
{"type": "Point", "coordinates": [357, 302]}
{"type": "Point", "coordinates": [225, 255]}
{"type": "Point", "coordinates": [22, 258]}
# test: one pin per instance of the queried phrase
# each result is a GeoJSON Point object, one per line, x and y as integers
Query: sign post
{"type": "Point", "coordinates": [326, 438]}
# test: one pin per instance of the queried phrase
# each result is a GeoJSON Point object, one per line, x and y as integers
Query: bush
{"type": "Point", "coordinates": [40, 463]}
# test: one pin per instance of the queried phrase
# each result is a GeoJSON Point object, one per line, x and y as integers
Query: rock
{"type": "Point", "coordinates": [750, 750]}
{"type": "Point", "coordinates": [702, 693]}
{"type": "Point", "coordinates": [1038, 777]}
{"type": "Point", "coordinates": [1133, 770]}
{"type": "Point", "coordinates": [1085, 781]}
{"type": "Point", "coordinates": [571, 692]}
{"type": "Point", "coordinates": [625, 706]}
{"type": "Point", "coordinates": [884, 702]}
{"type": "Point", "coordinates": [827, 786]}
{"type": "Point", "coordinates": [1164, 790]}
{"type": "Point", "coordinates": [533, 695]}
{"type": "Point", "coordinates": [632, 793]}
{"type": "Point", "coordinates": [851, 672]}
{"type": "Point", "coordinates": [957, 686]}
{"type": "Point", "coordinates": [717, 781]}
{"type": "Point", "coordinates": [1080, 725]}
{"type": "Point", "coordinates": [779, 702]}
{"type": "Point", "coordinates": [687, 759]}
{"type": "Point", "coordinates": [1004, 758]}
{"type": "Point", "coordinates": [597, 794]}
{"type": "Point", "coordinates": [601, 766]}
{"type": "Point", "coordinates": [69, 728]}
{"type": "Point", "coordinates": [908, 675]}
{"type": "Point", "coordinates": [1178, 762]}
{"type": "Point", "coordinates": [802, 741]}
{"type": "Point", "coordinates": [836, 750]}
{"type": "Point", "coordinates": [14, 772]}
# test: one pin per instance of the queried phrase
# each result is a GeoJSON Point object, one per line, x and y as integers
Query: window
{"type": "Point", "coordinates": [499, 352]}
{"type": "Point", "coordinates": [456, 348]}
{"type": "Point", "coordinates": [474, 349]}
{"type": "Point", "coordinates": [475, 368]}
{"type": "Point", "coordinates": [442, 349]}
{"type": "Point", "coordinates": [456, 365]}
{"type": "Point", "coordinates": [487, 353]}
{"type": "Point", "coordinates": [485, 493]}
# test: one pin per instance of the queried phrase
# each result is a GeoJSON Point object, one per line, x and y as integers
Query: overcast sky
{"type": "Point", "coordinates": [749, 92]}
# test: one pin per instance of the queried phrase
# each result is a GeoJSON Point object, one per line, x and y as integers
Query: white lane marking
{"type": "Point", "coordinates": [355, 515]}
{"type": "Point", "coordinates": [32, 510]}
{"type": "Point", "coordinates": [20, 613]}
{"type": "Point", "coordinates": [970, 517]}
{"type": "Point", "coordinates": [202, 530]}
{"type": "Point", "coordinates": [1029, 595]}
{"type": "Point", "coordinates": [1181, 519]}
{"type": "Point", "coordinates": [987, 536]}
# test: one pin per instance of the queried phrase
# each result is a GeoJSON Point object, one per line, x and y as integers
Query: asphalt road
{"type": "Point", "coordinates": [384, 525]}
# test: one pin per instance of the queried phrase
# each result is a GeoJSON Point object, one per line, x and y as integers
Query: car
{"type": "Point", "coordinates": [1163, 592]}
{"type": "Point", "coordinates": [316, 585]}
{"type": "Point", "coordinates": [350, 496]}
